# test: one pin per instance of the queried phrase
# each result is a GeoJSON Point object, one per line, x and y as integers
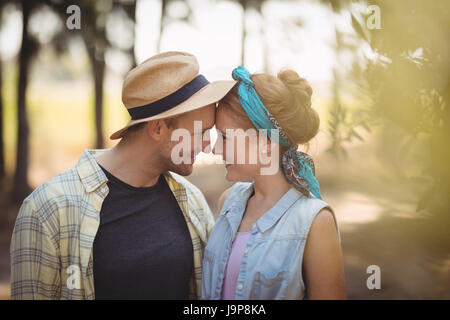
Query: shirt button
{"type": "Point", "coordinates": [240, 286]}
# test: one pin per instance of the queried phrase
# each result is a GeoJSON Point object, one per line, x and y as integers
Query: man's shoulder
{"type": "Point", "coordinates": [60, 187]}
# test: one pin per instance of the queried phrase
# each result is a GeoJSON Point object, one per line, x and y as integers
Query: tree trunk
{"type": "Point", "coordinates": [21, 187]}
{"type": "Point", "coordinates": [161, 25]}
{"type": "Point", "coordinates": [97, 62]}
{"type": "Point", "coordinates": [99, 71]}
{"type": "Point", "coordinates": [94, 37]}
{"type": "Point", "coordinates": [133, 49]}
{"type": "Point", "coordinates": [262, 31]}
{"type": "Point", "coordinates": [2, 153]}
{"type": "Point", "coordinates": [244, 30]}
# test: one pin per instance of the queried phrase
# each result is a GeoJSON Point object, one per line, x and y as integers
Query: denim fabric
{"type": "Point", "coordinates": [271, 267]}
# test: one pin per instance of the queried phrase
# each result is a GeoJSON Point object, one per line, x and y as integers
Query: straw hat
{"type": "Point", "coordinates": [167, 85]}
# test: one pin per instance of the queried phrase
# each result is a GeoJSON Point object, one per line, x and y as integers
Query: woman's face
{"type": "Point", "coordinates": [239, 146]}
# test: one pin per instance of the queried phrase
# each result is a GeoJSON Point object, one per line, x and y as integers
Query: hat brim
{"type": "Point", "coordinates": [209, 94]}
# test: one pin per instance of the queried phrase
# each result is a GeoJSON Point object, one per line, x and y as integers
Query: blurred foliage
{"type": "Point", "coordinates": [345, 122]}
{"type": "Point", "coordinates": [103, 22]}
{"type": "Point", "coordinates": [181, 11]}
{"type": "Point", "coordinates": [408, 81]}
{"type": "Point", "coordinates": [403, 80]}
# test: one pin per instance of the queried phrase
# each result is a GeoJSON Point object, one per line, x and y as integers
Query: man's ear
{"type": "Point", "coordinates": [155, 129]}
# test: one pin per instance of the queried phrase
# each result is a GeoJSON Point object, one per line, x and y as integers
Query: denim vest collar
{"type": "Point", "coordinates": [235, 211]}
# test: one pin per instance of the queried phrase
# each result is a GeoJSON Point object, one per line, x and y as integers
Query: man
{"type": "Point", "coordinates": [123, 223]}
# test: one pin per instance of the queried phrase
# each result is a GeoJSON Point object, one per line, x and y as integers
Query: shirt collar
{"type": "Point", "coordinates": [236, 209]}
{"type": "Point", "coordinates": [269, 218]}
{"type": "Point", "coordinates": [91, 175]}
{"type": "Point", "coordinates": [278, 210]}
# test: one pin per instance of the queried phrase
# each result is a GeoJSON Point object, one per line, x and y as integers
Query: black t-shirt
{"type": "Point", "coordinates": [142, 249]}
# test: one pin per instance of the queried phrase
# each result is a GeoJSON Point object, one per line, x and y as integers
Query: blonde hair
{"type": "Point", "coordinates": [288, 99]}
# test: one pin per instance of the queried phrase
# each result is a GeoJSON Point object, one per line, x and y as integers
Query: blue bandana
{"type": "Point", "coordinates": [297, 166]}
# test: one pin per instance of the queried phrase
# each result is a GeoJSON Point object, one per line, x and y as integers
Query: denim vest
{"type": "Point", "coordinates": [271, 266]}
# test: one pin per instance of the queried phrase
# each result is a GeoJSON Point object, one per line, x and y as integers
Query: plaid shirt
{"type": "Point", "coordinates": [56, 226]}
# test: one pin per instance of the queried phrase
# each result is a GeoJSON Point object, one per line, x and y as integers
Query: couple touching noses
{"type": "Point", "coordinates": [124, 223]}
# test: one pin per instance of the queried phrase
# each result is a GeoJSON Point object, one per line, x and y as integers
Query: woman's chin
{"type": "Point", "coordinates": [229, 173]}
{"type": "Point", "coordinates": [233, 175]}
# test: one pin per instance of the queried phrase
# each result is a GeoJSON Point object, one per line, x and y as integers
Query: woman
{"type": "Point", "coordinates": [275, 238]}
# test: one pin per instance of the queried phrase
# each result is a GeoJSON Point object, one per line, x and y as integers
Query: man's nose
{"type": "Point", "coordinates": [206, 143]}
{"type": "Point", "coordinates": [218, 148]}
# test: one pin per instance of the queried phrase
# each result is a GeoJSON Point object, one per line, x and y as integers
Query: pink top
{"type": "Point", "coordinates": [234, 265]}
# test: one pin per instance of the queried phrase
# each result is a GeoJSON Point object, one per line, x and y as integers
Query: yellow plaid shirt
{"type": "Point", "coordinates": [56, 228]}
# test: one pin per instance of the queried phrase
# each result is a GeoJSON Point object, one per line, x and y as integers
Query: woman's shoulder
{"type": "Point", "coordinates": [311, 201]}
{"type": "Point", "coordinates": [306, 209]}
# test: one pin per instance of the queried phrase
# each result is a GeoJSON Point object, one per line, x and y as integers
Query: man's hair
{"type": "Point", "coordinates": [136, 127]}
{"type": "Point", "coordinates": [170, 122]}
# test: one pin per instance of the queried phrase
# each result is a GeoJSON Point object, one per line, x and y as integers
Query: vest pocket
{"type": "Point", "coordinates": [269, 286]}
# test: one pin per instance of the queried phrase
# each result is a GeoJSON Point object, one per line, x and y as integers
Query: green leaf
{"type": "Point", "coordinates": [366, 126]}
{"type": "Point", "coordinates": [355, 134]}
{"type": "Point", "coordinates": [358, 28]}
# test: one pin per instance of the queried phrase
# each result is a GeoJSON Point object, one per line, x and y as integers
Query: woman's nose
{"type": "Point", "coordinates": [206, 146]}
{"type": "Point", "coordinates": [214, 149]}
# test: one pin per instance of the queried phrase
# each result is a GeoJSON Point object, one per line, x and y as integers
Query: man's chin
{"type": "Point", "coordinates": [183, 169]}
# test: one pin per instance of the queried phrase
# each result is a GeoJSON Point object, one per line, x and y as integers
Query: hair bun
{"type": "Point", "coordinates": [298, 86]}
{"type": "Point", "coordinates": [300, 92]}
